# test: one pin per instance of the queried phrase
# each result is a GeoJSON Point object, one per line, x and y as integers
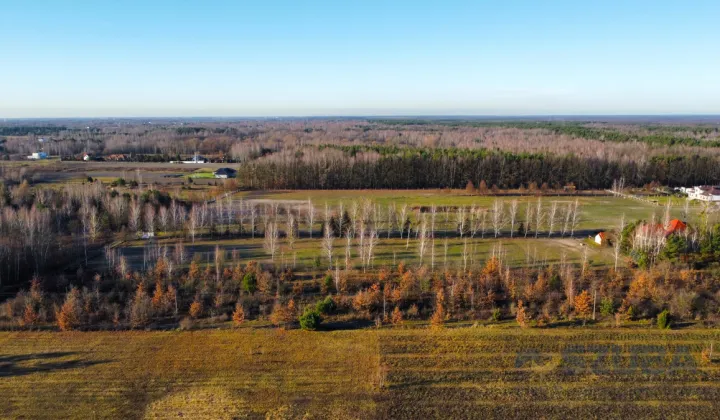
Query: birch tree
{"type": "Point", "coordinates": [498, 219]}
{"type": "Point", "coordinates": [310, 217]}
{"type": "Point", "coordinates": [513, 215]}
{"type": "Point", "coordinates": [403, 218]}
{"type": "Point", "coordinates": [551, 217]}
{"type": "Point", "coordinates": [327, 243]}
{"type": "Point", "coordinates": [538, 216]}
{"type": "Point", "coordinates": [575, 220]}
{"type": "Point", "coordinates": [271, 239]}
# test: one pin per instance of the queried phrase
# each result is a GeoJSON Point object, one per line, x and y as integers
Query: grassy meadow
{"type": "Point", "coordinates": [597, 212]}
{"type": "Point", "coordinates": [495, 371]}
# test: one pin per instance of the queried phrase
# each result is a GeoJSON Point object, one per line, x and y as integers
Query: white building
{"type": "Point", "coordinates": [703, 193]}
{"type": "Point", "coordinates": [38, 156]}
{"type": "Point", "coordinates": [196, 159]}
{"type": "Point", "coordinates": [601, 238]}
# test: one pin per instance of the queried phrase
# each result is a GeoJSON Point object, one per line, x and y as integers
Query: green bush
{"type": "Point", "coordinates": [664, 320]}
{"type": "Point", "coordinates": [328, 282]}
{"type": "Point", "coordinates": [607, 306]}
{"type": "Point", "coordinates": [249, 283]}
{"type": "Point", "coordinates": [310, 319]}
{"type": "Point", "coordinates": [325, 306]}
{"type": "Point", "coordinates": [496, 315]}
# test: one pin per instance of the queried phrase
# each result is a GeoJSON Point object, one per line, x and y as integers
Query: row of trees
{"type": "Point", "coordinates": [225, 289]}
{"type": "Point", "coordinates": [332, 170]}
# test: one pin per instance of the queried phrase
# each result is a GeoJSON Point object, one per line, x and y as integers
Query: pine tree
{"type": "Point", "coordinates": [69, 317]}
{"type": "Point", "coordinates": [397, 316]}
{"type": "Point", "coordinates": [238, 315]}
{"type": "Point", "coordinates": [438, 317]}
{"type": "Point", "coordinates": [140, 308]}
{"type": "Point", "coordinates": [582, 305]}
{"type": "Point", "coordinates": [520, 316]}
{"type": "Point", "coordinates": [196, 307]}
{"type": "Point", "coordinates": [158, 298]}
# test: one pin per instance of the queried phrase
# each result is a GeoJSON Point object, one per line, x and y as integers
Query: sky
{"type": "Point", "coordinates": [78, 58]}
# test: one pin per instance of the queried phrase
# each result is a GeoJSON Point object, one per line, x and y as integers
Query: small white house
{"type": "Point", "coordinates": [704, 193]}
{"type": "Point", "coordinates": [148, 235]}
{"type": "Point", "coordinates": [601, 238]}
{"type": "Point", "coordinates": [86, 157]}
{"type": "Point", "coordinates": [38, 156]}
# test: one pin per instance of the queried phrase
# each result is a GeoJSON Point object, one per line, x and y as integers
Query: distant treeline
{"type": "Point", "coordinates": [661, 136]}
{"type": "Point", "coordinates": [24, 130]}
{"type": "Point", "coordinates": [453, 168]}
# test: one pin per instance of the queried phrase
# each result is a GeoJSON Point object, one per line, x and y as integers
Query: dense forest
{"type": "Point", "coordinates": [355, 153]}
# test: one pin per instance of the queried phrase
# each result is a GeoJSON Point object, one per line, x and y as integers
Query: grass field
{"type": "Point", "coordinates": [602, 212]}
{"type": "Point", "coordinates": [516, 252]}
{"type": "Point", "coordinates": [414, 373]}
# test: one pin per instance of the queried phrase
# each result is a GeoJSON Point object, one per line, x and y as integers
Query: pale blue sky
{"type": "Point", "coordinates": [276, 58]}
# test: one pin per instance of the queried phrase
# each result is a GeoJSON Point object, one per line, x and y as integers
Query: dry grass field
{"type": "Point", "coordinates": [484, 372]}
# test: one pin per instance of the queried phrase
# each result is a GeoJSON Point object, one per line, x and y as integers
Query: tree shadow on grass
{"type": "Point", "coordinates": [354, 324]}
{"type": "Point", "coordinates": [26, 364]}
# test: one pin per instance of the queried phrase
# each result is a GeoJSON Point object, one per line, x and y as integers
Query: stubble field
{"type": "Point", "coordinates": [483, 372]}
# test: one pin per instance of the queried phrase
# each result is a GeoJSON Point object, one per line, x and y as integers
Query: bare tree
{"type": "Point", "coordinates": [391, 212]}
{"type": "Point", "coordinates": [465, 254]}
{"type": "Point", "coordinates": [310, 217]}
{"type": "Point", "coordinates": [618, 240]}
{"type": "Point", "coordinates": [667, 216]}
{"type": "Point", "coordinates": [403, 217]}
{"type": "Point", "coordinates": [461, 219]}
{"type": "Point", "coordinates": [551, 217]}
{"type": "Point", "coordinates": [423, 236]}
{"type": "Point", "coordinates": [498, 217]}
{"type": "Point", "coordinates": [528, 217]}
{"type": "Point", "coordinates": [271, 239]}
{"type": "Point", "coordinates": [291, 229]}
{"type": "Point", "coordinates": [539, 215]}
{"type": "Point", "coordinates": [513, 215]}
{"type": "Point", "coordinates": [371, 243]}
{"type": "Point", "coordinates": [163, 218]}
{"type": "Point", "coordinates": [328, 243]}
{"type": "Point", "coordinates": [575, 219]}
{"type": "Point", "coordinates": [253, 218]}
{"type": "Point", "coordinates": [433, 214]}
{"type": "Point", "coordinates": [149, 216]}
{"type": "Point", "coordinates": [134, 215]}
{"type": "Point", "coordinates": [192, 222]}
{"type": "Point", "coordinates": [348, 251]}
{"type": "Point", "coordinates": [567, 214]}
{"type": "Point", "coordinates": [432, 254]}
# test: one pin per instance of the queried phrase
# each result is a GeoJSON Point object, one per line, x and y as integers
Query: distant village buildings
{"type": "Point", "coordinates": [38, 156]}
{"type": "Point", "coordinates": [702, 193]}
{"type": "Point", "coordinates": [225, 173]}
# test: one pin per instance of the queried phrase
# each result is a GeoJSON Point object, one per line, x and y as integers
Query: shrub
{"type": "Point", "coordinates": [413, 312]}
{"type": "Point", "coordinates": [186, 324]}
{"type": "Point", "coordinates": [310, 319]}
{"type": "Point", "coordinates": [249, 283]}
{"type": "Point", "coordinates": [496, 315]}
{"type": "Point", "coordinates": [328, 282]}
{"type": "Point", "coordinates": [325, 306]}
{"type": "Point", "coordinates": [664, 320]}
{"type": "Point", "coordinates": [196, 308]}
{"type": "Point", "coordinates": [607, 306]}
